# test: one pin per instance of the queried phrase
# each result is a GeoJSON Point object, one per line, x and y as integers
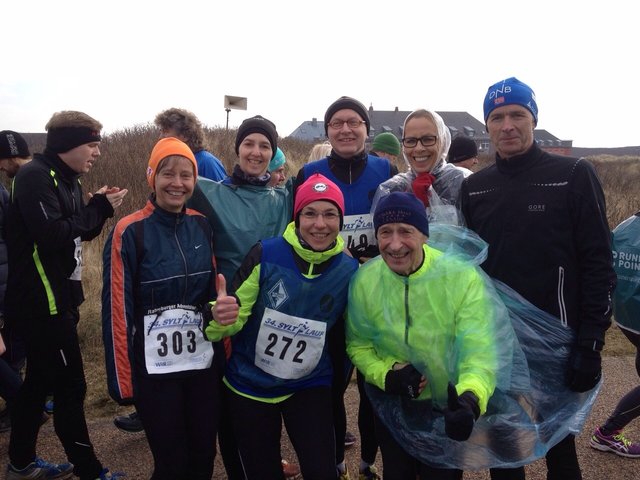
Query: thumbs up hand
{"type": "Point", "coordinates": [225, 310]}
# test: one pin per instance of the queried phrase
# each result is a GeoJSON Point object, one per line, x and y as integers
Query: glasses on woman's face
{"type": "Point", "coordinates": [352, 123]}
{"type": "Point", "coordinates": [426, 141]}
{"type": "Point", "coordinates": [312, 215]}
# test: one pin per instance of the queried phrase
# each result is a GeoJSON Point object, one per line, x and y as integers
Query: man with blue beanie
{"type": "Point", "coordinates": [544, 217]}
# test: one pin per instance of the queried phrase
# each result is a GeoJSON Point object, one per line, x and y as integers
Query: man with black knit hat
{"type": "Point", "coordinates": [544, 218]}
{"type": "Point", "coordinates": [347, 125]}
{"type": "Point", "coordinates": [463, 152]}
{"type": "Point", "coordinates": [14, 152]}
{"type": "Point", "coordinates": [47, 222]}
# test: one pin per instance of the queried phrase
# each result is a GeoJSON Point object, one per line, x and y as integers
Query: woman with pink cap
{"type": "Point", "coordinates": [288, 295]}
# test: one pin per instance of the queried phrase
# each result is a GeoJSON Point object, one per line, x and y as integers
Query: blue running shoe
{"type": "Point", "coordinates": [40, 469]}
{"type": "Point", "coordinates": [105, 474]}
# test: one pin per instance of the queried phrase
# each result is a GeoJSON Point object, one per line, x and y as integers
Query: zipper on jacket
{"type": "Point", "coordinates": [184, 259]}
{"type": "Point", "coordinates": [562, 308]}
{"type": "Point", "coordinates": [407, 319]}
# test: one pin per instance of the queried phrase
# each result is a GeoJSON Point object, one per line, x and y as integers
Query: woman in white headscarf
{"type": "Point", "coordinates": [425, 144]}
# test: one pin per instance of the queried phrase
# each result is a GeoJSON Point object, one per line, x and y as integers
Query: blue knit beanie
{"type": "Point", "coordinates": [277, 161]}
{"type": "Point", "coordinates": [510, 92]}
{"type": "Point", "coordinates": [401, 207]}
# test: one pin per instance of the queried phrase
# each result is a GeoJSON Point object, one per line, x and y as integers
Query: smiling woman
{"type": "Point", "coordinates": [152, 317]}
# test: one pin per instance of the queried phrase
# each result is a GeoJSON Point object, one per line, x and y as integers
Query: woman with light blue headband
{"type": "Point", "coordinates": [276, 169]}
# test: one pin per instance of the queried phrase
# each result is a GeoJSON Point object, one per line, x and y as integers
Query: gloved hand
{"type": "Point", "coordinates": [461, 413]}
{"type": "Point", "coordinates": [420, 186]}
{"type": "Point", "coordinates": [364, 251]}
{"type": "Point", "coordinates": [405, 382]}
{"type": "Point", "coordinates": [585, 369]}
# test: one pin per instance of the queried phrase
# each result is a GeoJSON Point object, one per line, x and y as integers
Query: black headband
{"type": "Point", "coordinates": [63, 139]}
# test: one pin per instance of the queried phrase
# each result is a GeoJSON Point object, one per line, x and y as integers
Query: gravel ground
{"type": "Point", "coordinates": [129, 452]}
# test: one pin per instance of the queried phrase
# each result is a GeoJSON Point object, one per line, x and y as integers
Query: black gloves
{"type": "Point", "coordinates": [366, 251]}
{"type": "Point", "coordinates": [585, 369]}
{"type": "Point", "coordinates": [461, 413]}
{"type": "Point", "coordinates": [405, 382]}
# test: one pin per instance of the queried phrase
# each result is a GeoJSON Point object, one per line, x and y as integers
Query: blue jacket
{"type": "Point", "coordinates": [210, 166]}
{"type": "Point", "coordinates": [154, 261]}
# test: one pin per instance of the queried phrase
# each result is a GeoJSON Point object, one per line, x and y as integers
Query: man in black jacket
{"type": "Point", "coordinates": [544, 218]}
{"type": "Point", "coordinates": [46, 224]}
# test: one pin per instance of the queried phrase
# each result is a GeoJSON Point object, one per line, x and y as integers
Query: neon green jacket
{"type": "Point", "coordinates": [440, 319]}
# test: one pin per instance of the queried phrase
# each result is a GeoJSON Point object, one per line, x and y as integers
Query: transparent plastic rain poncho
{"type": "Point", "coordinates": [530, 410]}
{"type": "Point", "coordinates": [444, 192]}
{"type": "Point", "coordinates": [626, 263]}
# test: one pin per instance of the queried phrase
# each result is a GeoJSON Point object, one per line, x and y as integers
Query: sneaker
{"type": "Point", "coordinates": [369, 473]}
{"type": "Point", "coordinates": [129, 423]}
{"type": "Point", "coordinates": [616, 443]}
{"type": "Point", "coordinates": [48, 407]}
{"type": "Point", "coordinates": [349, 439]}
{"type": "Point", "coordinates": [39, 469]}
{"type": "Point", "coordinates": [105, 474]}
{"type": "Point", "coordinates": [291, 470]}
{"type": "Point", "coordinates": [343, 476]}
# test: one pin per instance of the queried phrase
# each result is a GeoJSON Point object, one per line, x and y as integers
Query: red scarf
{"type": "Point", "coordinates": [421, 186]}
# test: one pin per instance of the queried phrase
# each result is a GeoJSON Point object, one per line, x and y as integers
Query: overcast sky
{"type": "Point", "coordinates": [122, 62]}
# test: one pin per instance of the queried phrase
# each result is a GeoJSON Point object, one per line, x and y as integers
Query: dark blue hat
{"type": "Point", "coordinates": [401, 207]}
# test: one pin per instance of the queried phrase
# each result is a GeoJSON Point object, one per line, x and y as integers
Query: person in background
{"type": "Point", "coordinates": [299, 280]}
{"type": "Point", "coordinates": [610, 437]}
{"type": "Point", "coordinates": [319, 150]}
{"type": "Point", "coordinates": [277, 169]}
{"type": "Point", "coordinates": [386, 145]}
{"type": "Point", "coordinates": [184, 125]}
{"type": "Point", "coordinates": [544, 218]}
{"type": "Point", "coordinates": [14, 153]}
{"type": "Point", "coordinates": [358, 175]}
{"type": "Point", "coordinates": [46, 224]}
{"type": "Point", "coordinates": [463, 152]}
{"type": "Point", "coordinates": [413, 302]}
{"type": "Point", "coordinates": [154, 306]}
{"type": "Point", "coordinates": [242, 210]}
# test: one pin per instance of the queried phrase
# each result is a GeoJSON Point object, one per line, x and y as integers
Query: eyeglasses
{"type": "Point", "coordinates": [426, 141]}
{"type": "Point", "coordinates": [352, 123]}
{"type": "Point", "coordinates": [327, 216]}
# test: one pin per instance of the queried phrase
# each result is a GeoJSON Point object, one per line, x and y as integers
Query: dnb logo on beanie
{"type": "Point", "coordinates": [510, 91]}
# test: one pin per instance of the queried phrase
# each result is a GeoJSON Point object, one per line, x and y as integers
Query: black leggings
{"type": "Point", "coordinates": [366, 424]}
{"type": "Point", "coordinates": [54, 364]}
{"type": "Point", "coordinates": [399, 465]}
{"type": "Point", "coordinates": [180, 419]}
{"type": "Point", "coordinates": [308, 418]}
{"type": "Point", "coordinates": [628, 407]}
